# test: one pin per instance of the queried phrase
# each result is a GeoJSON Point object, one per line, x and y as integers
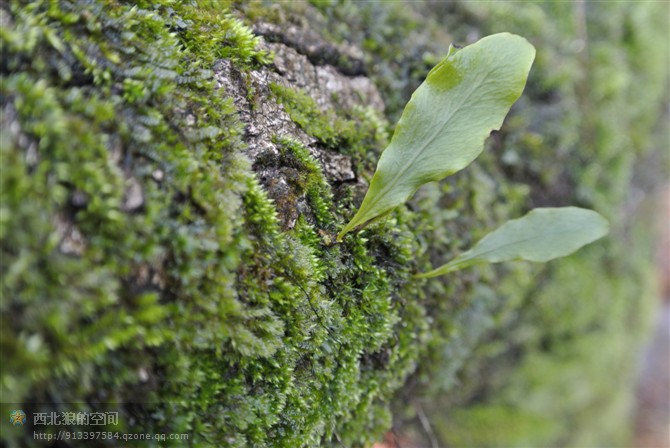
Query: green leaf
{"type": "Point", "coordinates": [445, 123]}
{"type": "Point", "coordinates": [542, 235]}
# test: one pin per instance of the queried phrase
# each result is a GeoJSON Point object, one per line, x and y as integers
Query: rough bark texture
{"type": "Point", "coordinates": [173, 176]}
{"type": "Point", "coordinates": [266, 120]}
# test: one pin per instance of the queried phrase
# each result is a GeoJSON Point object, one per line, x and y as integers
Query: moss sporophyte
{"type": "Point", "coordinates": [442, 130]}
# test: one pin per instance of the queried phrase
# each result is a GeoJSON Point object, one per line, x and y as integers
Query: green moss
{"type": "Point", "coordinates": [194, 309]}
{"type": "Point", "coordinates": [496, 426]}
{"type": "Point", "coordinates": [327, 127]}
{"type": "Point", "coordinates": [311, 180]}
{"type": "Point", "coordinates": [360, 133]}
{"type": "Point", "coordinates": [562, 144]}
{"type": "Point", "coordinates": [191, 302]}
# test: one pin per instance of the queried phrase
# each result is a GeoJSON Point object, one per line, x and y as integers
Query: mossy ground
{"type": "Point", "coordinates": [144, 267]}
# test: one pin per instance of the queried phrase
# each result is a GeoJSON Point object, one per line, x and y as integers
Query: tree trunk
{"type": "Point", "coordinates": [172, 180]}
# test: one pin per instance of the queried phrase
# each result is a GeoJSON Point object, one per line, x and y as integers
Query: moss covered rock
{"type": "Point", "coordinates": [173, 176]}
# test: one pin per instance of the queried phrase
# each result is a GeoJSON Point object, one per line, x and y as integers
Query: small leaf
{"type": "Point", "coordinates": [542, 235]}
{"type": "Point", "coordinates": [444, 125]}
